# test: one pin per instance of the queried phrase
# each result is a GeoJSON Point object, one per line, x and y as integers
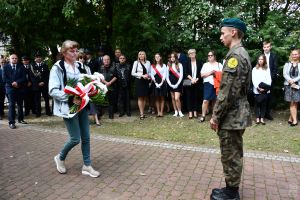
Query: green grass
{"type": "Point", "coordinates": [276, 136]}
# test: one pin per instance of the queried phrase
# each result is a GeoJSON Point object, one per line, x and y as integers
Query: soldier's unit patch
{"type": "Point", "coordinates": [232, 63]}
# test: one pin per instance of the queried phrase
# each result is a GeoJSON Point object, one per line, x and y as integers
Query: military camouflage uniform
{"type": "Point", "coordinates": [232, 112]}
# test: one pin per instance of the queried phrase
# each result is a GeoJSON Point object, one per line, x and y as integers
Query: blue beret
{"type": "Point", "coordinates": [235, 23]}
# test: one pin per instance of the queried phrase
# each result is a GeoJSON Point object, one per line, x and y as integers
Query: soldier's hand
{"type": "Point", "coordinates": [213, 125]}
{"type": "Point", "coordinates": [41, 84]}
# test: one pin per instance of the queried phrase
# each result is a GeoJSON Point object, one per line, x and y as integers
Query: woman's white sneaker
{"type": "Point", "coordinates": [60, 165]}
{"type": "Point", "coordinates": [175, 114]}
{"type": "Point", "coordinates": [180, 114]}
{"type": "Point", "coordinates": [88, 170]}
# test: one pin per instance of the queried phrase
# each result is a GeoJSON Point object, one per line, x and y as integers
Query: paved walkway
{"type": "Point", "coordinates": [132, 169]}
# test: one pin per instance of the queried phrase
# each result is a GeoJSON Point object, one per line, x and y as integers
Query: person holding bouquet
{"type": "Point", "coordinates": [78, 125]}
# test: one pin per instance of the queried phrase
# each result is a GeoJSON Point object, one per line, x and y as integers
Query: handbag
{"type": "Point", "coordinates": [187, 82]}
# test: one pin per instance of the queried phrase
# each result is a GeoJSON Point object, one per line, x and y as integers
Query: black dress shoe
{"type": "Point", "coordinates": [121, 114]}
{"type": "Point", "coordinates": [49, 114]}
{"type": "Point", "coordinates": [12, 126]}
{"type": "Point", "coordinates": [269, 117]}
{"type": "Point", "coordinates": [22, 122]}
{"type": "Point", "coordinates": [294, 124]}
{"type": "Point", "coordinates": [1, 117]}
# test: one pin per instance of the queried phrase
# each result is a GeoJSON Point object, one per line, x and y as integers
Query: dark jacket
{"type": "Point", "coordinates": [2, 84]}
{"type": "Point", "coordinates": [273, 65]}
{"type": "Point", "coordinates": [188, 70]}
{"type": "Point", "coordinates": [123, 73]}
{"type": "Point", "coordinates": [38, 75]}
{"type": "Point", "coordinates": [9, 77]}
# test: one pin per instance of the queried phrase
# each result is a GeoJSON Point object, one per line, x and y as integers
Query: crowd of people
{"type": "Point", "coordinates": [181, 83]}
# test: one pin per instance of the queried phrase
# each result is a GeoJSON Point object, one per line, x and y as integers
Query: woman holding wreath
{"type": "Point", "coordinates": [78, 125]}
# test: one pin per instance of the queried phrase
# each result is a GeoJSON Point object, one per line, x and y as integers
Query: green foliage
{"type": "Point", "coordinates": [153, 26]}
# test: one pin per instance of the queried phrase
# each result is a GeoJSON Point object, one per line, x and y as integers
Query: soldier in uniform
{"type": "Point", "coordinates": [231, 114]}
{"type": "Point", "coordinates": [110, 78]}
{"type": "Point", "coordinates": [39, 75]}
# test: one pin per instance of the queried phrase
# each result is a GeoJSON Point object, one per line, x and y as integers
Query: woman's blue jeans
{"type": "Point", "coordinates": [78, 127]}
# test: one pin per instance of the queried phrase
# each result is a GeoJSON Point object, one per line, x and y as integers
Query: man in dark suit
{"type": "Point", "coordinates": [28, 98]}
{"type": "Point", "coordinates": [272, 66]}
{"type": "Point", "coordinates": [14, 77]}
{"type": "Point", "coordinates": [39, 76]}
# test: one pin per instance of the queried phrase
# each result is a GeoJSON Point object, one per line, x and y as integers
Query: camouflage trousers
{"type": "Point", "coordinates": [231, 145]}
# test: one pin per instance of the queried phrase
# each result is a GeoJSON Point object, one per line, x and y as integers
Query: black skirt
{"type": "Point", "coordinates": [142, 87]}
{"type": "Point", "coordinates": [160, 92]}
{"type": "Point", "coordinates": [174, 80]}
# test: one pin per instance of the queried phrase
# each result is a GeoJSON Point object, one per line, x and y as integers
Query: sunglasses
{"type": "Point", "coordinates": [210, 55]}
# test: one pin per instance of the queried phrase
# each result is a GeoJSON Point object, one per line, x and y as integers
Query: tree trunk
{"type": "Point", "coordinates": [15, 43]}
{"type": "Point", "coordinates": [54, 53]}
{"type": "Point", "coordinates": [108, 10]}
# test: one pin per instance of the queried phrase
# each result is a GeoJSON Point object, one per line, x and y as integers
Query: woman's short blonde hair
{"type": "Point", "coordinates": [68, 44]}
{"type": "Point", "coordinates": [290, 57]}
{"type": "Point", "coordinates": [191, 51]}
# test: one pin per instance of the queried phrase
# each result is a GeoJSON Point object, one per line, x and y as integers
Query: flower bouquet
{"type": "Point", "coordinates": [86, 88]}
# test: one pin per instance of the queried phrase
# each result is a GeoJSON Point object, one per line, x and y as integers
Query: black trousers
{"type": "Point", "coordinates": [2, 98]}
{"type": "Point", "coordinates": [124, 101]}
{"type": "Point", "coordinates": [112, 98]}
{"type": "Point", "coordinates": [13, 98]}
{"type": "Point", "coordinates": [29, 101]}
{"type": "Point", "coordinates": [260, 108]}
{"type": "Point", "coordinates": [193, 97]}
{"type": "Point", "coordinates": [269, 102]}
{"type": "Point", "coordinates": [37, 101]}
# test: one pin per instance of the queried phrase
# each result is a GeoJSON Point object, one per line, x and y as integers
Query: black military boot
{"type": "Point", "coordinates": [228, 193]}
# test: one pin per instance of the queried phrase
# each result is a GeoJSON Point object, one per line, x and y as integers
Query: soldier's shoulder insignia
{"type": "Point", "coordinates": [232, 63]}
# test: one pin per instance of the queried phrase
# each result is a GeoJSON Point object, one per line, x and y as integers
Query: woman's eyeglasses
{"type": "Point", "coordinates": [210, 55]}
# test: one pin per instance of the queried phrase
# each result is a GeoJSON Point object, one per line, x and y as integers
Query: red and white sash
{"type": "Point", "coordinates": [173, 72]}
{"type": "Point", "coordinates": [157, 72]}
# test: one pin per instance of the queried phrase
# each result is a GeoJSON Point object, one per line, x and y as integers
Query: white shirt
{"type": "Point", "coordinates": [260, 75]}
{"type": "Point", "coordinates": [137, 69]}
{"type": "Point", "coordinates": [180, 75]}
{"type": "Point", "coordinates": [207, 67]}
{"type": "Point", "coordinates": [162, 70]}
{"type": "Point", "coordinates": [268, 61]}
{"type": "Point", "coordinates": [72, 72]}
{"type": "Point", "coordinates": [194, 70]}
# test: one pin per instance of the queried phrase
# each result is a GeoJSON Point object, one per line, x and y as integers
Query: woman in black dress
{"type": "Point", "coordinates": [174, 79]}
{"type": "Point", "coordinates": [158, 75]}
{"type": "Point", "coordinates": [141, 71]}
